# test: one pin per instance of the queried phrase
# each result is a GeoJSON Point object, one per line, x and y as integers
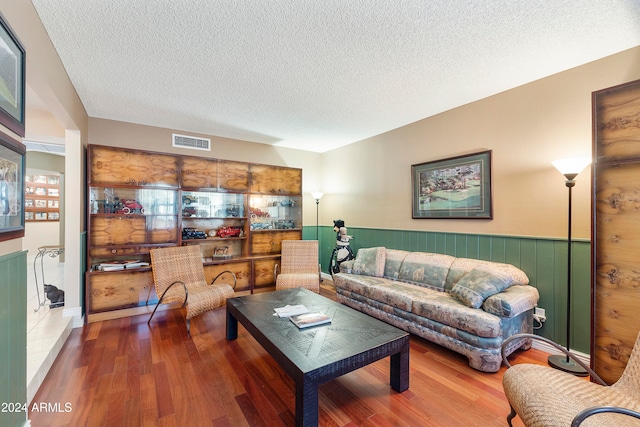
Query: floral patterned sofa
{"type": "Point", "coordinates": [469, 306]}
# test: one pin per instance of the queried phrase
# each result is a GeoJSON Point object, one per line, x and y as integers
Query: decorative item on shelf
{"type": "Point", "coordinates": [221, 252]}
{"type": "Point", "coordinates": [570, 168]}
{"type": "Point", "coordinates": [129, 206]}
{"type": "Point", "coordinates": [261, 226]}
{"type": "Point", "coordinates": [189, 233]}
{"type": "Point", "coordinates": [189, 211]}
{"type": "Point", "coordinates": [288, 203]}
{"type": "Point", "coordinates": [257, 213]}
{"type": "Point", "coordinates": [187, 199]}
{"type": "Point", "coordinates": [342, 251]}
{"type": "Point", "coordinates": [284, 224]}
{"type": "Point", "coordinates": [230, 232]}
{"type": "Point", "coordinates": [233, 210]}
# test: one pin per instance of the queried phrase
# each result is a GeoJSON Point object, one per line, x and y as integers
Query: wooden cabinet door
{"type": "Point", "coordinates": [270, 242]}
{"type": "Point", "coordinates": [240, 269]}
{"type": "Point", "coordinates": [263, 273]}
{"type": "Point", "coordinates": [199, 172]}
{"type": "Point", "coordinates": [233, 176]}
{"type": "Point", "coordinates": [117, 230]}
{"type": "Point", "coordinates": [156, 169]}
{"type": "Point", "coordinates": [118, 290]}
{"type": "Point", "coordinates": [275, 180]}
{"type": "Point", "coordinates": [117, 166]}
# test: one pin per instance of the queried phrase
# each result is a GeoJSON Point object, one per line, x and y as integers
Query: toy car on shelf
{"type": "Point", "coordinates": [187, 199]}
{"type": "Point", "coordinates": [257, 213]}
{"type": "Point", "coordinates": [230, 232]}
{"type": "Point", "coordinates": [189, 211]}
{"type": "Point", "coordinates": [289, 203]}
{"type": "Point", "coordinates": [189, 233]}
{"type": "Point", "coordinates": [284, 224]}
{"type": "Point", "coordinates": [261, 226]}
{"type": "Point", "coordinates": [129, 206]}
{"type": "Point", "coordinates": [233, 210]}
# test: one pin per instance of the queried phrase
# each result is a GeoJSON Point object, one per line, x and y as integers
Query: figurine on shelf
{"type": "Point", "coordinates": [342, 251]}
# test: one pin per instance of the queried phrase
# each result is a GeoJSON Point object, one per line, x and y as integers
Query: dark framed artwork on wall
{"type": "Point", "coordinates": [12, 158]}
{"type": "Point", "coordinates": [456, 187]}
{"type": "Point", "coordinates": [12, 80]}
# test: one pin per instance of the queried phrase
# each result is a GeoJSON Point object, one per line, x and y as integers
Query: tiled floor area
{"type": "Point", "coordinates": [47, 329]}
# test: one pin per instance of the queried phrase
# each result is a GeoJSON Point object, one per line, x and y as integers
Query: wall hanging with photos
{"type": "Point", "coordinates": [42, 198]}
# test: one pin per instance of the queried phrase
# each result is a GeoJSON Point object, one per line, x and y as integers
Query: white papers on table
{"type": "Point", "coordinates": [290, 310]}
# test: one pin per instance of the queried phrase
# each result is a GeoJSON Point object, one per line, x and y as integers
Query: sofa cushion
{"type": "Point", "coordinates": [426, 269]}
{"type": "Point", "coordinates": [395, 294]}
{"type": "Point", "coordinates": [444, 308]}
{"type": "Point", "coordinates": [393, 262]}
{"type": "Point", "coordinates": [512, 301]}
{"type": "Point", "coordinates": [370, 261]}
{"type": "Point", "coordinates": [462, 266]}
{"type": "Point", "coordinates": [479, 284]}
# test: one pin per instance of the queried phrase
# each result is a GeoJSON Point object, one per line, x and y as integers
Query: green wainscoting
{"type": "Point", "coordinates": [543, 259]}
{"type": "Point", "coordinates": [13, 337]}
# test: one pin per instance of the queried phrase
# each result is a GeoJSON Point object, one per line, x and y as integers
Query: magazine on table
{"type": "Point", "coordinates": [310, 319]}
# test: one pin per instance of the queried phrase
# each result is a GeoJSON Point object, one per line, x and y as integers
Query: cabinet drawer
{"type": "Point", "coordinates": [111, 252]}
{"type": "Point", "coordinates": [117, 290]}
{"type": "Point", "coordinates": [263, 272]}
{"type": "Point", "coordinates": [121, 230]}
{"type": "Point", "coordinates": [269, 242]}
{"type": "Point", "coordinates": [240, 269]}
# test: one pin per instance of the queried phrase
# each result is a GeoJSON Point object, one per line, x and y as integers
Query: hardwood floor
{"type": "Point", "coordinates": [125, 373]}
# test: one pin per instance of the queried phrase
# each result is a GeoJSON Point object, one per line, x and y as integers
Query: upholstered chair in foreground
{"type": "Point", "coordinates": [545, 397]}
{"type": "Point", "coordinates": [299, 267]}
{"type": "Point", "coordinates": [178, 276]}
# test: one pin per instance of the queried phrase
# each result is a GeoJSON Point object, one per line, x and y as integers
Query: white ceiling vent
{"type": "Point", "coordinates": [191, 142]}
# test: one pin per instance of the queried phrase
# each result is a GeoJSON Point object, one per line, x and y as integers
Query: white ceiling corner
{"type": "Point", "coordinates": [318, 74]}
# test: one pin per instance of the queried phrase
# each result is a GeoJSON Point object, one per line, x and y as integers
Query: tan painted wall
{"type": "Point", "coordinates": [526, 127]}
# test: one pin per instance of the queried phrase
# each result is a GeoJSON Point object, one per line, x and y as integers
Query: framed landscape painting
{"type": "Point", "coordinates": [12, 80]}
{"type": "Point", "coordinates": [456, 187]}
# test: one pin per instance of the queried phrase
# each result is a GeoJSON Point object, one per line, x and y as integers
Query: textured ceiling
{"type": "Point", "coordinates": [318, 74]}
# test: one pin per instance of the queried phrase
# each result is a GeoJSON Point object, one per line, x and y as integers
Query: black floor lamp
{"type": "Point", "coordinates": [317, 195]}
{"type": "Point", "coordinates": [570, 168]}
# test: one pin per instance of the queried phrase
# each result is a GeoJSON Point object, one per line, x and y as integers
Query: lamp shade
{"type": "Point", "coordinates": [571, 167]}
{"type": "Point", "coordinates": [317, 195]}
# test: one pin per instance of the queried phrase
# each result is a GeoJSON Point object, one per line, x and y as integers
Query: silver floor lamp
{"type": "Point", "coordinates": [570, 168]}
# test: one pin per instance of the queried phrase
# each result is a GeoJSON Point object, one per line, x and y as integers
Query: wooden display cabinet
{"type": "Point", "coordinates": [238, 213]}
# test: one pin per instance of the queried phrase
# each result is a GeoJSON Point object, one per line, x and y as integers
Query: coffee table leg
{"type": "Point", "coordinates": [306, 403]}
{"type": "Point", "coordinates": [400, 368]}
{"type": "Point", "coordinates": [232, 326]}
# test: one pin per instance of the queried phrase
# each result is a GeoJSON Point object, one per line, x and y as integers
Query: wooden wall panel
{"type": "Point", "coordinates": [616, 236]}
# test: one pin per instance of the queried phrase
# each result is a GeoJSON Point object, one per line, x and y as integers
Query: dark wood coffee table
{"type": "Point", "coordinates": [318, 354]}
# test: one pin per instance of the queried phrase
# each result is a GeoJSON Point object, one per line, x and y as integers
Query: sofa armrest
{"type": "Point", "coordinates": [346, 266]}
{"type": "Point", "coordinates": [512, 301]}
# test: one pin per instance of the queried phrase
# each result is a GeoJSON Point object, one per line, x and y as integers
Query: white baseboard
{"type": "Point", "coordinates": [76, 315]}
{"type": "Point", "coordinates": [543, 346]}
